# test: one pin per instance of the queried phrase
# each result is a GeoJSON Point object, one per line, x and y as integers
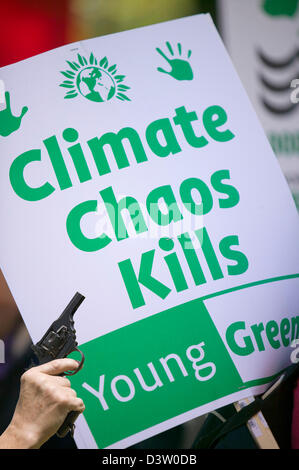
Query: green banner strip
{"type": "Point", "coordinates": [148, 372]}
{"type": "Point", "coordinates": [251, 284]}
{"type": "Point", "coordinates": [157, 368]}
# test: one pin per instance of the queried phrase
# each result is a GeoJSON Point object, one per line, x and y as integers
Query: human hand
{"type": "Point", "coordinates": [45, 401]}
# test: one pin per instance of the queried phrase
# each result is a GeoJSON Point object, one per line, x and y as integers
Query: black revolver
{"type": "Point", "coordinates": [58, 342]}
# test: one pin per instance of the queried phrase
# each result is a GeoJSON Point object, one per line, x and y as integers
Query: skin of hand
{"type": "Point", "coordinates": [44, 402]}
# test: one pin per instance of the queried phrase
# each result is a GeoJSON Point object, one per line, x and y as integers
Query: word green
{"type": "Point", "coordinates": [275, 334]}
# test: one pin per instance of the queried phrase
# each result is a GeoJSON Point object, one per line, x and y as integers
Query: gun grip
{"type": "Point", "coordinates": [68, 424]}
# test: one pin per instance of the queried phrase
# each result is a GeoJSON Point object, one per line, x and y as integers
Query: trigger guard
{"type": "Point", "coordinates": [68, 374]}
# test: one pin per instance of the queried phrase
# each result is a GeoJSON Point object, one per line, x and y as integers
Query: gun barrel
{"type": "Point", "coordinates": [74, 304]}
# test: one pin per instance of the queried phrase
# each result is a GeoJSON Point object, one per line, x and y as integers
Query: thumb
{"type": "Point", "coordinates": [58, 366]}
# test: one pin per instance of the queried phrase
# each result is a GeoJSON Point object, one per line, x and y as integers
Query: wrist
{"type": "Point", "coordinates": [18, 436]}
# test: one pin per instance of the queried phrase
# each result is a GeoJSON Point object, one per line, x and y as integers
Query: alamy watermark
{"type": "Point", "coordinates": [295, 353]}
{"type": "Point", "coordinates": [2, 352]}
{"type": "Point", "coordinates": [2, 92]}
{"type": "Point", "coordinates": [133, 220]}
{"type": "Point", "coordinates": [295, 93]}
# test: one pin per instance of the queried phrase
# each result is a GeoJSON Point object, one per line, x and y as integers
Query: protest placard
{"type": "Point", "coordinates": [134, 170]}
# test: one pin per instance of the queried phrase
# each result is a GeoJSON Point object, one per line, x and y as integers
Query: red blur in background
{"type": "Point", "coordinates": [29, 27]}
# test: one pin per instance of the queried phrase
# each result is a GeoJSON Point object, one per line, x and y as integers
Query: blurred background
{"type": "Point", "coordinates": [262, 37]}
{"type": "Point", "coordinates": [30, 27]}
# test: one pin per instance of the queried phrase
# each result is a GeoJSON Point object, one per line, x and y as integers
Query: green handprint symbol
{"type": "Point", "coordinates": [180, 68]}
{"type": "Point", "coordinates": [8, 122]}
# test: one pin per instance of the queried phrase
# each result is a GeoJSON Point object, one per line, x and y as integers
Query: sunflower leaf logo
{"type": "Point", "coordinates": [94, 79]}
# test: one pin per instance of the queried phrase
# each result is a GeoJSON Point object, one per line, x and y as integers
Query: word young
{"type": "Point", "coordinates": [123, 387]}
{"type": "Point", "coordinates": [213, 118]}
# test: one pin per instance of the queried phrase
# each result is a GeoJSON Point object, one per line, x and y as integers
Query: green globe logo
{"type": "Point", "coordinates": [94, 80]}
{"type": "Point", "coordinates": [96, 84]}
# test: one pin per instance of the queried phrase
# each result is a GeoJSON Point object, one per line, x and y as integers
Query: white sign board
{"type": "Point", "coordinates": [134, 170]}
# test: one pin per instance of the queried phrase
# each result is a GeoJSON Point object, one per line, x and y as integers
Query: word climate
{"type": "Point", "coordinates": [159, 135]}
